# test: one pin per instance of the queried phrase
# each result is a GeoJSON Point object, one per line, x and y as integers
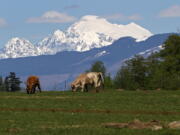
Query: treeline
{"type": "Point", "coordinates": [10, 83]}
{"type": "Point", "coordinates": [158, 71]}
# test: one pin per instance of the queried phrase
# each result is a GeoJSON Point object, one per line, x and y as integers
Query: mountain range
{"type": "Point", "coordinates": [87, 33]}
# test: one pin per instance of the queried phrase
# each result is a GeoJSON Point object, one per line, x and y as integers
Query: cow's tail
{"type": "Point", "coordinates": [101, 79]}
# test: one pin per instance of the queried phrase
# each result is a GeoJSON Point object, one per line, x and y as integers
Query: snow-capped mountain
{"type": "Point", "coordinates": [57, 42]}
{"type": "Point", "coordinates": [17, 47]}
{"type": "Point", "coordinates": [89, 32]}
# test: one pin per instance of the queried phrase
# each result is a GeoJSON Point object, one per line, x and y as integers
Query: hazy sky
{"type": "Point", "coordinates": [35, 19]}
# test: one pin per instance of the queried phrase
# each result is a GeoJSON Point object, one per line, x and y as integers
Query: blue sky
{"type": "Point", "coordinates": [35, 19]}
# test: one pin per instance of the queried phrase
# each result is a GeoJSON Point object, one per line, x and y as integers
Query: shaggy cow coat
{"type": "Point", "coordinates": [31, 84]}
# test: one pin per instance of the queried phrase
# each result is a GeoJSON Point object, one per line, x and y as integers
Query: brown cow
{"type": "Point", "coordinates": [31, 84]}
{"type": "Point", "coordinates": [94, 79]}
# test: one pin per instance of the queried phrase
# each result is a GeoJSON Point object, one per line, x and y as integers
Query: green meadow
{"type": "Point", "coordinates": [68, 113]}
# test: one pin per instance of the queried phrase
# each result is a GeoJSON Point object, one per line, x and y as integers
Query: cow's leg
{"type": "Point", "coordinates": [86, 88]}
{"type": "Point", "coordinates": [30, 91]}
{"type": "Point", "coordinates": [39, 87]}
{"type": "Point", "coordinates": [33, 89]}
{"type": "Point", "coordinates": [82, 88]}
{"type": "Point", "coordinates": [102, 86]}
{"type": "Point", "coordinates": [27, 91]}
{"type": "Point", "coordinates": [97, 90]}
{"type": "Point", "coordinates": [96, 86]}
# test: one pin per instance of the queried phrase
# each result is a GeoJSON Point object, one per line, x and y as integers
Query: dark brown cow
{"type": "Point", "coordinates": [31, 84]}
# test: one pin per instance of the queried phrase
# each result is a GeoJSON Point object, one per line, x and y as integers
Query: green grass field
{"type": "Point", "coordinates": [68, 113]}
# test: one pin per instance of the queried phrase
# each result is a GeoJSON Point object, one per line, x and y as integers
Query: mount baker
{"type": "Point", "coordinates": [88, 33]}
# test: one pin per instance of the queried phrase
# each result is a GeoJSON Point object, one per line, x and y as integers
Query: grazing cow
{"type": "Point", "coordinates": [31, 84]}
{"type": "Point", "coordinates": [94, 79]}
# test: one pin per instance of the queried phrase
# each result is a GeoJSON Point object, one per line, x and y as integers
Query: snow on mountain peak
{"type": "Point", "coordinates": [59, 33]}
{"type": "Point", "coordinates": [133, 24]}
{"type": "Point", "coordinates": [87, 33]}
{"type": "Point", "coordinates": [17, 42]}
{"type": "Point", "coordinates": [94, 32]}
{"type": "Point", "coordinates": [15, 39]}
{"type": "Point", "coordinates": [17, 47]}
{"type": "Point", "coordinates": [92, 24]}
{"type": "Point", "coordinates": [138, 32]}
{"type": "Point", "coordinates": [89, 17]}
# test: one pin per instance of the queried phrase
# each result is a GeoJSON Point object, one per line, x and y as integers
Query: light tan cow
{"type": "Point", "coordinates": [94, 79]}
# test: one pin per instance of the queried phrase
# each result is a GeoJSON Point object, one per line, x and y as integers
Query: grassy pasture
{"type": "Point", "coordinates": [67, 113]}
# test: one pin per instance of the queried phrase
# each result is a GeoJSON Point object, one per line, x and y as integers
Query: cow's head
{"type": "Point", "coordinates": [75, 86]}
